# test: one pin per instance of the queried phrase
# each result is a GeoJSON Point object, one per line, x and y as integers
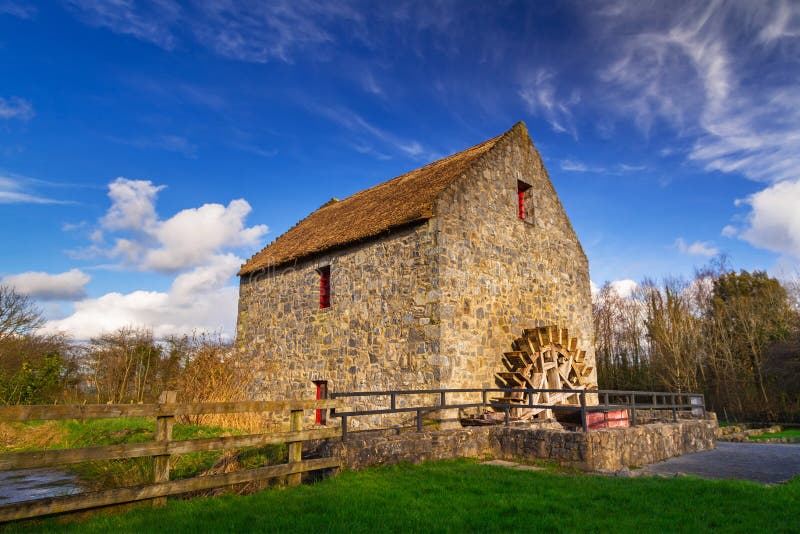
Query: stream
{"type": "Point", "coordinates": [28, 484]}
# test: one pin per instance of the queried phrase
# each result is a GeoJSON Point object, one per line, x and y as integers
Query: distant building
{"type": "Point", "coordinates": [423, 281]}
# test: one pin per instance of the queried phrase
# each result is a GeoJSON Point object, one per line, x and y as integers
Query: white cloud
{"type": "Point", "coordinates": [698, 248]}
{"type": "Point", "coordinates": [15, 108]}
{"type": "Point", "coordinates": [194, 244]}
{"type": "Point", "coordinates": [191, 238]}
{"type": "Point", "coordinates": [70, 285]}
{"type": "Point", "coordinates": [132, 205]}
{"type": "Point", "coordinates": [729, 231]}
{"type": "Point", "coordinates": [539, 93]}
{"type": "Point", "coordinates": [211, 310]}
{"type": "Point", "coordinates": [774, 219]}
{"type": "Point", "coordinates": [624, 288]}
{"type": "Point", "coordinates": [593, 287]}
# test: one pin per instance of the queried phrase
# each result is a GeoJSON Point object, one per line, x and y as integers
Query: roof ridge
{"type": "Point", "coordinates": [407, 198]}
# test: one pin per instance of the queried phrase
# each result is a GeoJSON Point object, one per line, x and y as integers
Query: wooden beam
{"type": "Point", "coordinates": [55, 457]}
{"type": "Point", "coordinates": [54, 505]}
{"type": "Point", "coordinates": [100, 411]}
{"type": "Point", "coordinates": [163, 434]}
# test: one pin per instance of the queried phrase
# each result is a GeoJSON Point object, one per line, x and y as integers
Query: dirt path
{"type": "Point", "coordinates": [760, 462]}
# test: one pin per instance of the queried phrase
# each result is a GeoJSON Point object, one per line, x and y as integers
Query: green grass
{"type": "Point", "coordinates": [463, 496]}
{"type": "Point", "coordinates": [788, 433]}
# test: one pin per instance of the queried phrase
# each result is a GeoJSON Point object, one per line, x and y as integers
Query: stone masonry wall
{"type": "Point", "coordinates": [609, 449]}
{"type": "Point", "coordinates": [377, 334]}
{"type": "Point", "coordinates": [500, 274]}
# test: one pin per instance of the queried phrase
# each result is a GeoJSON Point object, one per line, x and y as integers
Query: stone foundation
{"type": "Point", "coordinates": [596, 450]}
{"type": "Point", "coordinates": [613, 448]}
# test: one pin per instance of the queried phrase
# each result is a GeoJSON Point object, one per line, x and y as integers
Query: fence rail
{"type": "Point", "coordinates": [627, 400]}
{"type": "Point", "coordinates": [165, 411]}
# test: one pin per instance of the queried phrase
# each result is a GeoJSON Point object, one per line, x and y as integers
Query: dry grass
{"type": "Point", "coordinates": [26, 436]}
{"type": "Point", "coordinates": [212, 373]}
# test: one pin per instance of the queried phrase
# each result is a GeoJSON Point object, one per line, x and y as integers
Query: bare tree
{"type": "Point", "coordinates": [18, 314]}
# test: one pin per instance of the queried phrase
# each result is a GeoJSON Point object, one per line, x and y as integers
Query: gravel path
{"type": "Point", "coordinates": [760, 462]}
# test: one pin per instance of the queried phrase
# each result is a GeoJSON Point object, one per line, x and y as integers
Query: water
{"type": "Point", "coordinates": [29, 484]}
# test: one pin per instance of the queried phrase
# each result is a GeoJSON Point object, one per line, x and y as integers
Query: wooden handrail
{"type": "Point", "coordinates": [102, 411]}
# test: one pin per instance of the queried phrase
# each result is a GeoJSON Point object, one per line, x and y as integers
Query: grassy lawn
{"type": "Point", "coordinates": [788, 433]}
{"type": "Point", "coordinates": [464, 496]}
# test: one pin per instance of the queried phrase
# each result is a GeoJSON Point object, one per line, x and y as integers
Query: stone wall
{"type": "Point", "coordinates": [609, 449]}
{"type": "Point", "coordinates": [378, 333]}
{"type": "Point", "coordinates": [606, 449]}
{"type": "Point", "coordinates": [500, 274]}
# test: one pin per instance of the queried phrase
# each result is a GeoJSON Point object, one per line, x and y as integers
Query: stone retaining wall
{"type": "Point", "coordinates": [596, 450]}
{"type": "Point", "coordinates": [606, 449]}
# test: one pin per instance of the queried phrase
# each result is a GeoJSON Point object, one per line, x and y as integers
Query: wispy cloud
{"type": "Point", "coordinates": [170, 143]}
{"type": "Point", "coordinates": [698, 248]}
{"type": "Point", "coordinates": [15, 108]}
{"type": "Point", "coordinates": [693, 69]}
{"type": "Point", "coordinates": [540, 96]}
{"type": "Point", "coordinates": [149, 21]}
{"type": "Point", "coordinates": [16, 189]}
{"type": "Point", "coordinates": [356, 124]}
{"type": "Point", "coordinates": [571, 165]}
{"type": "Point", "coordinates": [17, 9]}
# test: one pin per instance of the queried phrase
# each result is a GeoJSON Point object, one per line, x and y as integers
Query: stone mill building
{"type": "Point", "coordinates": [420, 282]}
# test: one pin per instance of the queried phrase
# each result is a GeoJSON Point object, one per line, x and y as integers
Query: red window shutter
{"type": "Point", "coordinates": [324, 287]}
{"type": "Point", "coordinates": [322, 393]}
{"type": "Point", "coordinates": [522, 187]}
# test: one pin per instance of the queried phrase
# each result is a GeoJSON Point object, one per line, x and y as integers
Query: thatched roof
{"type": "Point", "coordinates": [401, 201]}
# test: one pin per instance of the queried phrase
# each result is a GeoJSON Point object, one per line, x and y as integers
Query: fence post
{"type": "Point", "coordinates": [632, 404]}
{"type": "Point", "coordinates": [419, 420]}
{"type": "Point", "coordinates": [164, 425]}
{"type": "Point", "coordinates": [295, 447]}
{"type": "Point", "coordinates": [674, 410]}
{"type": "Point", "coordinates": [584, 423]}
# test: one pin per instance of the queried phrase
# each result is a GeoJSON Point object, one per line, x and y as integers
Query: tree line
{"type": "Point", "coordinates": [128, 365]}
{"type": "Point", "coordinates": [734, 336]}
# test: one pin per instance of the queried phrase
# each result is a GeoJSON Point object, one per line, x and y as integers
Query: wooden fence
{"type": "Point", "coordinates": [165, 412]}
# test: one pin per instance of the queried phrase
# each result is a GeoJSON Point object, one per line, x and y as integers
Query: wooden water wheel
{"type": "Point", "coordinates": [544, 358]}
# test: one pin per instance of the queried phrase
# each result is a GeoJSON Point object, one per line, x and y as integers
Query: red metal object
{"type": "Point", "coordinates": [324, 287]}
{"type": "Point", "coordinates": [521, 198]}
{"type": "Point", "coordinates": [612, 419]}
{"type": "Point", "coordinates": [322, 393]}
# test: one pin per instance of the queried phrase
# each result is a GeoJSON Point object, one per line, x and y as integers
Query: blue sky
{"type": "Point", "coordinates": [148, 147]}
